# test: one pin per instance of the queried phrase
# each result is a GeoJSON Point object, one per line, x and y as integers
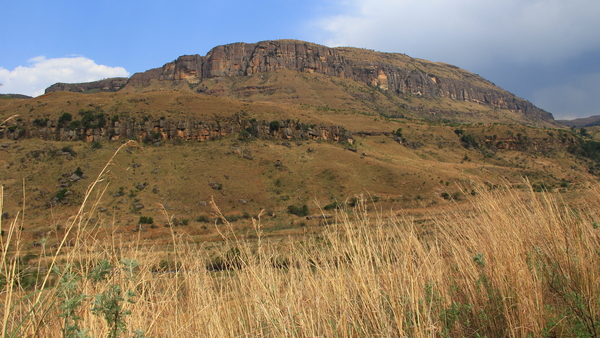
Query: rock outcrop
{"type": "Point", "coordinates": [151, 131]}
{"type": "Point", "coordinates": [106, 85]}
{"type": "Point", "coordinates": [15, 96]}
{"type": "Point", "coordinates": [394, 73]}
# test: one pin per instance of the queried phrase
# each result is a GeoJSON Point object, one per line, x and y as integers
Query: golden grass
{"type": "Point", "coordinates": [512, 264]}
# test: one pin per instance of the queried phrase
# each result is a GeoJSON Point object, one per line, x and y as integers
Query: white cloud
{"type": "Point", "coordinates": [469, 33]}
{"type": "Point", "coordinates": [42, 72]}
{"type": "Point", "coordinates": [576, 98]}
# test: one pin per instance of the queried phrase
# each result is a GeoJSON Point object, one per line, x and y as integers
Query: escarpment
{"type": "Point", "coordinates": [392, 73]}
{"type": "Point", "coordinates": [106, 85]}
{"type": "Point", "coordinates": [158, 130]}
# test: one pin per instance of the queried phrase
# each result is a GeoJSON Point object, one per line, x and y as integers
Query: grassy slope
{"type": "Point", "coordinates": [509, 263]}
{"type": "Point", "coordinates": [399, 176]}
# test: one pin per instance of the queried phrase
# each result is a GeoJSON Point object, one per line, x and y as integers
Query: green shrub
{"type": "Point", "coordinates": [64, 120]}
{"type": "Point", "coordinates": [146, 220]}
{"type": "Point", "coordinates": [333, 205]}
{"type": "Point", "coordinates": [203, 219]}
{"type": "Point", "coordinates": [298, 211]}
{"type": "Point", "coordinates": [91, 120]}
{"type": "Point", "coordinates": [244, 135]}
{"type": "Point", "coordinates": [69, 150]}
{"type": "Point", "coordinates": [40, 122]}
{"type": "Point", "coordinates": [61, 194]}
{"type": "Point", "coordinates": [73, 125]}
{"type": "Point", "coordinates": [274, 126]}
{"type": "Point", "coordinates": [468, 141]}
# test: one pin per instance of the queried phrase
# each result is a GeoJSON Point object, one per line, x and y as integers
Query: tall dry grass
{"type": "Point", "coordinates": [513, 264]}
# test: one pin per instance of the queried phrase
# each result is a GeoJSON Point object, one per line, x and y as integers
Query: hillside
{"type": "Point", "coordinates": [274, 127]}
{"type": "Point", "coordinates": [589, 121]}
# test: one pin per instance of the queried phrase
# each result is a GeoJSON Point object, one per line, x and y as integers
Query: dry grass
{"type": "Point", "coordinates": [512, 264]}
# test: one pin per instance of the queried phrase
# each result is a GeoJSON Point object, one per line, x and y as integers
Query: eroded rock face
{"type": "Point", "coordinates": [186, 67]}
{"type": "Point", "coordinates": [106, 85]}
{"type": "Point", "coordinates": [151, 131]}
{"type": "Point", "coordinates": [241, 59]}
{"type": "Point", "coordinates": [380, 70]}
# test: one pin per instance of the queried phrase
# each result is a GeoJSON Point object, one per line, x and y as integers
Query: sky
{"type": "Point", "coordinates": [545, 51]}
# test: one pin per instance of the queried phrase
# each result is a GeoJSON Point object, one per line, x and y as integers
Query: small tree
{"type": "Point", "coordinates": [64, 120]}
{"type": "Point", "coordinates": [274, 126]}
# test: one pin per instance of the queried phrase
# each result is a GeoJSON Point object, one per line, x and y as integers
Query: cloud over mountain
{"type": "Point", "coordinates": [42, 72]}
{"type": "Point", "coordinates": [470, 31]}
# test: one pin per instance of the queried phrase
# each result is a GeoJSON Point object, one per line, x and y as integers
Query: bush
{"type": "Point", "coordinates": [40, 122]}
{"type": "Point", "coordinates": [61, 194]}
{"type": "Point", "coordinates": [73, 125]}
{"type": "Point", "coordinates": [69, 150]}
{"type": "Point", "coordinates": [274, 126]}
{"type": "Point", "coordinates": [203, 219]}
{"type": "Point", "coordinates": [91, 120]}
{"type": "Point", "coordinates": [468, 141]}
{"type": "Point", "coordinates": [146, 220]}
{"type": "Point", "coordinates": [244, 135]}
{"type": "Point", "coordinates": [64, 120]}
{"type": "Point", "coordinates": [334, 205]}
{"type": "Point", "coordinates": [298, 211]}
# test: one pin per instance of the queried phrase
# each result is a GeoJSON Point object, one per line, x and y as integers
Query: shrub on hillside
{"type": "Point", "coordinates": [333, 205]}
{"type": "Point", "coordinates": [298, 211]}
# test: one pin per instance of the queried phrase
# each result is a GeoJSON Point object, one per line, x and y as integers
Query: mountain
{"type": "Point", "coordinates": [589, 121]}
{"type": "Point", "coordinates": [106, 85]}
{"type": "Point", "coordinates": [274, 126]}
{"type": "Point", "coordinates": [14, 96]}
{"type": "Point", "coordinates": [390, 84]}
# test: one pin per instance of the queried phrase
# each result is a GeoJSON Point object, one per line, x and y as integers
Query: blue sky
{"type": "Point", "coordinates": [546, 51]}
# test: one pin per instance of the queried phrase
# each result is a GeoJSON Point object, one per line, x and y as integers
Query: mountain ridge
{"type": "Point", "coordinates": [393, 74]}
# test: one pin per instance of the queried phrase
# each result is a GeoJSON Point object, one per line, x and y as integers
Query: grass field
{"type": "Point", "coordinates": [507, 263]}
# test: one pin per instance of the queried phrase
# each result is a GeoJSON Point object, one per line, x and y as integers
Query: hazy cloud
{"type": "Point", "coordinates": [40, 73]}
{"type": "Point", "coordinates": [469, 32]}
{"type": "Point", "coordinates": [576, 98]}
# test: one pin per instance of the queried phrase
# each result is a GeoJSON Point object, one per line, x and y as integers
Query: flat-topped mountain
{"type": "Point", "coordinates": [393, 84]}
{"type": "Point", "coordinates": [276, 126]}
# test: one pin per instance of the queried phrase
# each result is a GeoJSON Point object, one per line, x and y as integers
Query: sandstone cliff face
{"type": "Point", "coordinates": [183, 129]}
{"type": "Point", "coordinates": [241, 59]}
{"type": "Point", "coordinates": [107, 85]}
{"type": "Point", "coordinates": [394, 73]}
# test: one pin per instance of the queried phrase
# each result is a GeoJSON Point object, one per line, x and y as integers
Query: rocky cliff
{"type": "Point", "coordinates": [106, 85]}
{"type": "Point", "coordinates": [392, 73]}
{"type": "Point", "coordinates": [159, 130]}
{"type": "Point", "coordinates": [395, 73]}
